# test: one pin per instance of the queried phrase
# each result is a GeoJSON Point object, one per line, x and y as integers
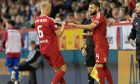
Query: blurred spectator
{"type": "Point", "coordinates": [84, 16]}
{"type": "Point", "coordinates": [29, 9]}
{"type": "Point", "coordinates": [74, 6]}
{"type": "Point", "coordinates": [106, 9]}
{"type": "Point", "coordinates": [77, 16]}
{"type": "Point", "coordinates": [4, 7]}
{"type": "Point", "coordinates": [122, 14]}
{"type": "Point", "coordinates": [70, 17]}
{"type": "Point", "coordinates": [58, 7]}
{"type": "Point", "coordinates": [28, 12]}
{"type": "Point", "coordinates": [130, 6]}
{"type": "Point", "coordinates": [33, 5]}
{"type": "Point", "coordinates": [59, 17]}
{"type": "Point", "coordinates": [67, 5]}
{"type": "Point", "coordinates": [22, 23]}
{"type": "Point", "coordinates": [113, 5]}
{"type": "Point", "coordinates": [115, 14]}
{"type": "Point", "coordinates": [81, 6]}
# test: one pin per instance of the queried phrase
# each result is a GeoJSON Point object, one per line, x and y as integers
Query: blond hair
{"type": "Point", "coordinates": [45, 4]}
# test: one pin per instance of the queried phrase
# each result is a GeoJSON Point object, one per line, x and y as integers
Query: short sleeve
{"type": "Point", "coordinates": [96, 20]}
{"type": "Point", "coordinates": [52, 24]}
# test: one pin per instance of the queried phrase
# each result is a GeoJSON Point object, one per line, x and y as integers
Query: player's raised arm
{"type": "Point", "coordinates": [60, 31]}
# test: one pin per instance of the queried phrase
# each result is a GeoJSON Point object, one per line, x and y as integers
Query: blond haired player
{"type": "Point", "coordinates": [47, 33]}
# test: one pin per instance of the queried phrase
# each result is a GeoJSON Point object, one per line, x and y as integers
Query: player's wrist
{"type": "Point", "coordinates": [83, 48]}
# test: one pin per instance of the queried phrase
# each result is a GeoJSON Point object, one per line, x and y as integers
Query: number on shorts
{"type": "Point", "coordinates": [40, 32]}
{"type": "Point", "coordinates": [97, 55]}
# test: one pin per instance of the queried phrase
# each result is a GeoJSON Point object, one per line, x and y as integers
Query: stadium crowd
{"type": "Point", "coordinates": [24, 12]}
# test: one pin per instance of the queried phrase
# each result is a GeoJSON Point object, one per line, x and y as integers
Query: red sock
{"type": "Point", "coordinates": [101, 75]}
{"type": "Point", "coordinates": [58, 76]}
{"type": "Point", "coordinates": [108, 75]}
{"type": "Point", "coordinates": [62, 81]}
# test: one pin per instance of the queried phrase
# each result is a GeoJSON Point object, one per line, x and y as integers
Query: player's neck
{"type": "Point", "coordinates": [43, 14]}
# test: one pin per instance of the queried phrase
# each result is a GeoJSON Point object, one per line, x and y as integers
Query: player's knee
{"type": "Point", "coordinates": [63, 68]}
{"type": "Point", "coordinates": [15, 67]}
{"type": "Point", "coordinates": [89, 69]}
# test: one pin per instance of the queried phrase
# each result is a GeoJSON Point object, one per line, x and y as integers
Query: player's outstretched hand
{"type": "Point", "coordinates": [63, 23]}
{"type": "Point", "coordinates": [72, 24]}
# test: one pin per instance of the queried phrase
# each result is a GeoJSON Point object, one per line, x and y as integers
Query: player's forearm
{"type": "Point", "coordinates": [88, 26]}
{"type": "Point", "coordinates": [60, 31]}
{"type": "Point", "coordinates": [84, 26]}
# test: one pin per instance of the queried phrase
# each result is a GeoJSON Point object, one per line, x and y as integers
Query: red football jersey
{"type": "Point", "coordinates": [99, 33]}
{"type": "Point", "coordinates": [46, 32]}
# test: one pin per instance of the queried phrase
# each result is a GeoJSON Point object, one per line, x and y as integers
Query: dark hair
{"type": "Point", "coordinates": [96, 3]}
{"type": "Point", "coordinates": [11, 22]}
{"type": "Point", "coordinates": [70, 14]}
{"type": "Point", "coordinates": [32, 42]}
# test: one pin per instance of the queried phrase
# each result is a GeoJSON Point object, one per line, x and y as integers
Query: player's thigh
{"type": "Point", "coordinates": [9, 62]}
{"type": "Point", "coordinates": [48, 60]}
{"type": "Point", "coordinates": [57, 59]}
{"type": "Point", "coordinates": [16, 61]}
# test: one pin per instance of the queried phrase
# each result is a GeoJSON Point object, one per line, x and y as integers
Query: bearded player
{"type": "Point", "coordinates": [98, 27]}
{"type": "Point", "coordinates": [48, 33]}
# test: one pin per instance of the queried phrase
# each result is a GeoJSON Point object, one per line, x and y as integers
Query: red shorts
{"type": "Point", "coordinates": [54, 58]}
{"type": "Point", "coordinates": [101, 55]}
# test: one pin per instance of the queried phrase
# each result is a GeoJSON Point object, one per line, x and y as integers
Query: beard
{"type": "Point", "coordinates": [93, 13]}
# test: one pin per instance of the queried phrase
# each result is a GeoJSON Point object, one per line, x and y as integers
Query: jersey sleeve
{"type": "Point", "coordinates": [52, 23]}
{"type": "Point", "coordinates": [97, 19]}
